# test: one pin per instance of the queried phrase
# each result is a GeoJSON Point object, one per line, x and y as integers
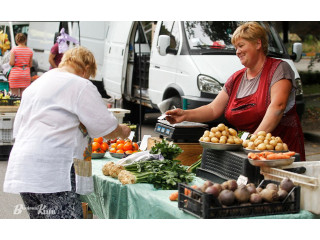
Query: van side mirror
{"type": "Point", "coordinates": [163, 44]}
{"type": "Point", "coordinates": [296, 52]}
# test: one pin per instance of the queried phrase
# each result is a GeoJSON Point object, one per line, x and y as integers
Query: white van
{"type": "Point", "coordinates": [187, 65]}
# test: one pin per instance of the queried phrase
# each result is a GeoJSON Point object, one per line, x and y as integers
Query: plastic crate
{"type": "Point", "coordinates": [5, 152]}
{"type": "Point", "coordinates": [7, 120]}
{"type": "Point", "coordinates": [9, 102]}
{"type": "Point", "coordinates": [203, 205]}
{"type": "Point", "coordinates": [119, 113]}
{"type": "Point", "coordinates": [308, 181]}
{"type": "Point", "coordinates": [227, 165]}
{"type": "Point", "coordinates": [6, 136]}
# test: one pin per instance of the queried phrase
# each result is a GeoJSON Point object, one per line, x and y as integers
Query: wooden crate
{"type": "Point", "coordinates": [191, 151]}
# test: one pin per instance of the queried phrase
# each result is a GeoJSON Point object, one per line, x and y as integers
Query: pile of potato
{"type": "Point", "coordinates": [221, 134]}
{"type": "Point", "coordinates": [264, 141]}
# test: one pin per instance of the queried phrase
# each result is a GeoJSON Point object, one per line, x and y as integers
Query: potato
{"type": "Point", "coordinates": [285, 147]}
{"type": "Point", "coordinates": [214, 129]}
{"type": "Point", "coordinates": [278, 139]}
{"type": "Point", "coordinates": [266, 141]}
{"type": "Point", "coordinates": [251, 146]}
{"type": "Point", "coordinates": [206, 133]}
{"type": "Point", "coordinates": [225, 133]}
{"type": "Point", "coordinates": [257, 142]}
{"type": "Point", "coordinates": [262, 147]}
{"type": "Point", "coordinates": [201, 139]}
{"type": "Point", "coordinates": [233, 132]}
{"type": "Point", "coordinates": [261, 137]}
{"type": "Point", "coordinates": [261, 133]}
{"type": "Point", "coordinates": [222, 140]}
{"type": "Point", "coordinates": [268, 136]}
{"type": "Point", "coordinates": [253, 137]}
{"type": "Point", "coordinates": [218, 134]}
{"type": "Point", "coordinates": [279, 147]}
{"type": "Point", "coordinates": [237, 141]}
{"type": "Point", "coordinates": [214, 140]}
{"type": "Point", "coordinates": [273, 143]}
{"type": "Point", "coordinates": [224, 137]}
{"type": "Point", "coordinates": [207, 139]}
{"type": "Point", "coordinates": [245, 143]}
{"type": "Point", "coordinates": [230, 140]}
{"type": "Point", "coordinates": [269, 147]}
{"type": "Point", "coordinates": [221, 127]}
{"type": "Point", "coordinates": [211, 134]}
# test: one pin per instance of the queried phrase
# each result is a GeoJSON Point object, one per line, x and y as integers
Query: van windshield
{"type": "Point", "coordinates": [209, 37]}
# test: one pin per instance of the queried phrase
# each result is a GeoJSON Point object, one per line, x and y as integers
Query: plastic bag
{"type": "Point", "coordinates": [139, 156]}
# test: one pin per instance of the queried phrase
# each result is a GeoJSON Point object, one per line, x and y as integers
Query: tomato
{"type": "Point", "coordinates": [95, 146]}
{"type": "Point", "coordinates": [128, 152]}
{"type": "Point", "coordinates": [112, 150]}
{"type": "Point", "coordinates": [119, 151]}
{"type": "Point", "coordinates": [120, 141]}
{"type": "Point", "coordinates": [113, 145]}
{"type": "Point", "coordinates": [98, 140]}
{"type": "Point", "coordinates": [120, 146]}
{"type": "Point", "coordinates": [135, 146]}
{"type": "Point", "coordinates": [127, 146]}
{"type": "Point", "coordinates": [104, 146]}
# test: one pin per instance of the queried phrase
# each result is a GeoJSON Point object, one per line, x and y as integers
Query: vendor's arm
{"type": "Point", "coordinates": [12, 57]}
{"type": "Point", "coordinates": [51, 60]}
{"type": "Point", "coordinates": [121, 131]}
{"type": "Point", "coordinates": [280, 92]}
{"type": "Point", "coordinates": [204, 113]}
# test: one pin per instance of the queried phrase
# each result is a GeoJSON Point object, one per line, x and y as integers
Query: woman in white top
{"type": "Point", "coordinates": [58, 116]}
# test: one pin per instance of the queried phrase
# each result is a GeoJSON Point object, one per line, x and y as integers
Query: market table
{"type": "Point", "coordinates": [112, 200]}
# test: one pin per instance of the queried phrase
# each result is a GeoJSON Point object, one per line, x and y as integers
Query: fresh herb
{"type": "Point", "coordinates": [164, 174]}
{"type": "Point", "coordinates": [167, 149]}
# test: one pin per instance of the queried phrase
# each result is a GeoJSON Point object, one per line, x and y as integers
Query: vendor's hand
{"type": "Point", "coordinates": [125, 131]}
{"type": "Point", "coordinates": [175, 115]}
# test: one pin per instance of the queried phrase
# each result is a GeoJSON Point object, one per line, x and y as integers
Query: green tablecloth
{"type": "Point", "coordinates": [113, 200]}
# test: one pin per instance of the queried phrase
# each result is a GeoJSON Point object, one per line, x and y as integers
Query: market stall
{"type": "Point", "coordinates": [112, 200]}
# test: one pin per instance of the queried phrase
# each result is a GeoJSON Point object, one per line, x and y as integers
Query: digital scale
{"type": "Point", "coordinates": [181, 132]}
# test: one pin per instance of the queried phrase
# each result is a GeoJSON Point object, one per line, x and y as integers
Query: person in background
{"type": "Point", "coordinates": [259, 97]}
{"type": "Point", "coordinates": [59, 115]}
{"type": "Point", "coordinates": [21, 62]}
{"type": "Point", "coordinates": [54, 56]}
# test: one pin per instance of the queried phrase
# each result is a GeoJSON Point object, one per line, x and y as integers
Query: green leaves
{"type": "Point", "coordinates": [165, 174]}
{"type": "Point", "coordinates": [168, 150]}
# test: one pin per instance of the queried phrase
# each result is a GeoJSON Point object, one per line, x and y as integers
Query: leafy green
{"type": "Point", "coordinates": [167, 149]}
{"type": "Point", "coordinates": [164, 174]}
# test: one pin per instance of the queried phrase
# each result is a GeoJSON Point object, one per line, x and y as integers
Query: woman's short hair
{"type": "Point", "coordinates": [81, 59]}
{"type": "Point", "coordinates": [251, 31]}
{"type": "Point", "coordinates": [20, 38]}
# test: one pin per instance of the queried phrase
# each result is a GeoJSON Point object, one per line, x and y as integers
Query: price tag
{"type": "Point", "coordinates": [242, 180]}
{"type": "Point", "coordinates": [131, 135]}
{"type": "Point", "coordinates": [144, 142]}
{"type": "Point", "coordinates": [245, 135]}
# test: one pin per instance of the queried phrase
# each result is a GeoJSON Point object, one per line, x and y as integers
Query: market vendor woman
{"type": "Point", "coordinates": [259, 97]}
{"type": "Point", "coordinates": [49, 164]}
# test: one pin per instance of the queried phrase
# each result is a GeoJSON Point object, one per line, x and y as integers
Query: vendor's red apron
{"type": "Point", "coordinates": [247, 113]}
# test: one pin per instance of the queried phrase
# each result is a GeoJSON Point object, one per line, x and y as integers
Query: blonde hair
{"type": "Point", "coordinates": [20, 38]}
{"type": "Point", "coordinates": [251, 31]}
{"type": "Point", "coordinates": [81, 60]}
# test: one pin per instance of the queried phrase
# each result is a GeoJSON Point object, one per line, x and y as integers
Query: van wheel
{"type": "Point", "coordinates": [134, 108]}
{"type": "Point", "coordinates": [176, 102]}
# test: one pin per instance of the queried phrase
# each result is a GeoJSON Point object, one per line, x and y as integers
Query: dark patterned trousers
{"type": "Point", "coordinates": [60, 205]}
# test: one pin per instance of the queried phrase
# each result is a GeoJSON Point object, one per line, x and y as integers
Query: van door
{"type": "Point", "coordinates": [92, 36]}
{"type": "Point", "coordinates": [162, 70]}
{"type": "Point", "coordinates": [116, 56]}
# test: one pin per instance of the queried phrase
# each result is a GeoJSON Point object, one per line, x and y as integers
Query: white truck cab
{"type": "Point", "coordinates": [187, 66]}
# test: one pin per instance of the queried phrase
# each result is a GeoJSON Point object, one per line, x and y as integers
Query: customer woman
{"type": "Point", "coordinates": [259, 97]}
{"type": "Point", "coordinates": [21, 62]}
{"type": "Point", "coordinates": [59, 115]}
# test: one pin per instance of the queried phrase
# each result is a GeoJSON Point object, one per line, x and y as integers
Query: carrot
{"type": "Point", "coordinates": [291, 153]}
{"type": "Point", "coordinates": [187, 191]}
{"type": "Point", "coordinates": [174, 196]}
{"type": "Point", "coordinates": [253, 156]}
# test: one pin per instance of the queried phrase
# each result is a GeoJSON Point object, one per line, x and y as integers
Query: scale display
{"type": "Point", "coordinates": [181, 132]}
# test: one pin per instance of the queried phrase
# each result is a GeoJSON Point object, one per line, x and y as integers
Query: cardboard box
{"type": "Point", "coordinates": [191, 151]}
